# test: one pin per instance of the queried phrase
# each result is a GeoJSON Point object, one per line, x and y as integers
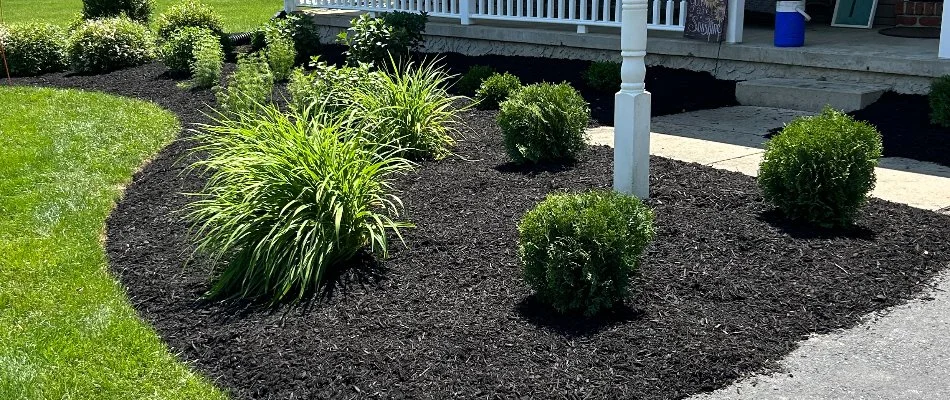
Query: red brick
{"type": "Point", "coordinates": [906, 20]}
{"type": "Point", "coordinates": [899, 8]}
{"type": "Point", "coordinates": [919, 8]}
{"type": "Point", "coordinates": [928, 9]}
{"type": "Point", "coordinates": [929, 21]}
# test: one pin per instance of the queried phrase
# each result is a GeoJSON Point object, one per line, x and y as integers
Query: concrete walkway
{"type": "Point", "coordinates": [900, 353]}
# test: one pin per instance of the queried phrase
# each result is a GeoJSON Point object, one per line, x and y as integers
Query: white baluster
{"type": "Point", "coordinates": [509, 10]}
{"type": "Point", "coordinates": [570, 11]}
{"type": "Point", "coordinates": [595, 9]}
{"type": "Point", "coordinates": [656, 12]}
{"type": "Point", "coordinates": [550, 13]}
{"type": "Point", "coordinates": [669, 13]}
{"type": "Point", "coordinates": [683, 13]}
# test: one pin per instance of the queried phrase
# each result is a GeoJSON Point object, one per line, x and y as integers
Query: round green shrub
{"type": "Point", "coordinates": [544, 123]}
{"type": "Point", "coordinates": [188, 13]}
{"type": "Point", "coordinates": [603, 76]}
{"type": "Point", "coordinates": [820, 169]}
{"type": "Point", "coordinates": [34, 48]}
{"type": "Point", "coordinates": [178, 52]}
{"type": "Point", "coordinates": [469, 83]}
{"type": "Point", "coordinates": [496, 89]}
{"type": "Point", "coordinates": [940, 101]}
{"type": "Point", "coordinates": [109, 44]}
{"type": "Point", "coordinates": [579, 251]}
{"type": "Point", "coordinates": [136, 10]}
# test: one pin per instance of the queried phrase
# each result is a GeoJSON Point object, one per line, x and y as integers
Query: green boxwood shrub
{"type": "Point", "coordinates": [188, 13]}
{"type": "Point", "coordinates": [109, 44]}
{"type": "Point", "coordinates": [178, 52]}
{"type": "Point", "coordinates": [208, 62]}
{"type": "Point", "coordinates": [34, 48]}
{"type": "Point", "coordinates": [579, 251]}
{"type": "Point", "coordinates": [544, 123]}
{"type": "Point", "coordinates": [290, 198]}
{"type": "Point", "coordinates": [940, 101]}
{"type": "Point", "coordinates": [136, 10]}
{"type": "Point", "coordinates": [603, 76]}
{"type": "Point", "coordinates": [249, 89]}
{"type": "Point", "coordinates": [377, 40]}
{"type": "Point", "coordinates": [469, 83]}
{"type": "Point", "coordinates": [495, 90]}
{"type": "Point", "coordinates": [820, 169]}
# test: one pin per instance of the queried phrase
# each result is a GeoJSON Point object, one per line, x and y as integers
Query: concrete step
{"type": "Point", "coordinates": [806, 94]}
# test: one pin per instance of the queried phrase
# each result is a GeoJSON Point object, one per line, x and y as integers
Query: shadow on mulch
{"type": "Point", "coordinates": [804, 230]}
{"type": "Point", "coordinates": [574, 324]}
{"type": "Point", "coordinates": [534, 169]}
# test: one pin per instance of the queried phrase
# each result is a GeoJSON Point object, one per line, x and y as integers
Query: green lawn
{"type": "Point", "coordinates": [239, 15]}
{"type": "Point", "coordinates": [67, 330]}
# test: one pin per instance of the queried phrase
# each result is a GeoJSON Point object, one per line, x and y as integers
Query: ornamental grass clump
{"type": "Point", "coordinates": [109, 44]}
{"type": "Point", "coordinates": [579, 251]}
{"type": "Point", "coordinates": [820, 169]}
{"type": "Point", "coordinates": [544, 123]}
{"type": "Point", "coordinates": [290, 197]}
{"type": "Point", "coordinates": [940, 101]}
{"type": "Point", "coordinates": [496, 89]}
{"type": "Point", "coordinates": [249, 88]}
{"type": "Point", "coordinates": [33, 48]}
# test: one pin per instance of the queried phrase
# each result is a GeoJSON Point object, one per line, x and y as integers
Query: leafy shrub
{"type": "Point", "coordinates": [280, 57]}
{"type": "Point", "coordinates": [136, 10]}
{"type": "Point", "coordinates": [34, 48]}
{"type": "Point", "coordinates": [209, 60]}
{"type": "Point", "coordinates": [496, 89]}
{"type": "Point", "coordinates": [940, 101]}
{"type": "Point", "coordinates": [412, 105]}
{"type": "Point", "coordinates": [301, 29]}
{"type": "Point", "coordinates": [603, 76]}
{"type": "Point", "coordinates": [178, 52]}
{"type": "Point", "coordinates": [289, 198]}
{"type": "Point", "coordinates": [469, 83]}
{"type": "Point", "coordinates": [579, 251]}
{"type": "Point", "coordinates": [189, 13]}
{"type": "Point", "coordinates": [249, 89]}
{"type": "Point", "coordinates": [377, 40]}
{"type": "Point", "coordinates": [820, 169]}
{"type": "Point", "coordinates": [332, 87]}
{"type": "Point", "coordinates": [109, 44]}
{"type": "Point", "coordinates": [544, 122]}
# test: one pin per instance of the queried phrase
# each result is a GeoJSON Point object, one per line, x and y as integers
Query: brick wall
{"type": "Point", "coordinates": [918, 13]}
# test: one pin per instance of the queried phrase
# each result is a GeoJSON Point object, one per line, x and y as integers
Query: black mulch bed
{"type": "Point", "coordinates": [904, 122]}
{"type": "Point", "coordinates": [726, 289]}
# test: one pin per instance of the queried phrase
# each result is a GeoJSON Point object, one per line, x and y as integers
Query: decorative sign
{"type": "Point", "coordinates": [705, 20]}
{"type": "Point", "coordinates": [854, 13]}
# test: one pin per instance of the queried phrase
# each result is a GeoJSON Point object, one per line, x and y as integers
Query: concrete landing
{"type": "Point", "coordinates": [807, 94]}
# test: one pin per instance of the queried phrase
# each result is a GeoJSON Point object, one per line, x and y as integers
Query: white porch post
{"type": "Point", "coordinates": [735, 21]}
{"type": "Point", "coordinates": [632, 105]}
{"type": "Point", "coordinates": [944, 51]}
{"type": "Point", "coordinates": [290, 6]}
{"type": "Point", "coordinates": [466, 8]}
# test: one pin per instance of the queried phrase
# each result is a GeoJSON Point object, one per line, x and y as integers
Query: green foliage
{"type": "Point", "coordinates": [469, 83]}
{"type": "Point", "coordinates": [544, 123]}
{"type": "Point", "coordinates": [579, 251]}
{"type": "Point", "coordinates": [280, 55]}
{"type": "Point", "coordinates": [290, 197]}
{"type": "Point", "coordinates": [178, 52]}
{"type": "Point", "coordinates": [109, 44]}
{"type": "Point", "coordinates": [940, 101]}
{"type": "Point", "coordinates": [820, 169]}
{"type": "Point", "coordinates": [331, 86]}
{"type": "Point", "coordinates": [495, 90]}
{"type": "Point", "coordinates": [377, 40]}
{"type": "Point", "coordinates": [209, 60]}
{"type": "Point", "coordinates": [603, 76]}
{"type": "Point", "coordinates": [136, 10]}
{"type": "Point", "coordinates": [249, 89]}
{"type": "Point", "coordinates": [33, 48]}
{"type": "Point", "coordinates": [301, 29]}
{"type": "Point", "coordinates": [188, 13]}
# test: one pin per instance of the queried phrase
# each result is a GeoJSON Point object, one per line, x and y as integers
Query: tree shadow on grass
{"type": "Point", "coordinates": [804, 230]}
{"type": "Point", "coordinates": [574, 324]}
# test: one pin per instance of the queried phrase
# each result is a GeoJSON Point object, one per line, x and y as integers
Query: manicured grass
{"type": "Point", "coordinates": [239, 15]}
{"type": "Point", "coordinates": [67, 330]}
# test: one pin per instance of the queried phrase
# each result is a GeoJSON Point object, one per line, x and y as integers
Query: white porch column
{"type": "Point", "coordinates": [290, 6]}
{"type": "Point", "coordinates": [632, 105]}
{"type": "Point", "coordinates": [944, 51]}
{"type": "Point", "coordinates": [735, 20]}
{"type": "Point", "coordinates": [466, 9]}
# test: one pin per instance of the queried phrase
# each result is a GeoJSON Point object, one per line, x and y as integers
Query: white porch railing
{"type": "Point", "coordinates": [668, 15]}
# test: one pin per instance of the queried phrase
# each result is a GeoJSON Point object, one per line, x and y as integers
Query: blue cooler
{"type": "Point", "coordinates": [790, 20]}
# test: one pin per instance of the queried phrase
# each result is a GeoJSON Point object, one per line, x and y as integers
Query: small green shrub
{"type": "Point", "coordinates": [290, 197]}
{"type": "Point", "coordinates": [136, 10]}
{"type": "Point", "coordinates": [469, 83]}
{"type": "Point", "coordinates": [34, 48]}
{"type": "Point", "coordinates": [579, 251]}
{"type": "Point", "coordinates": [208, 62]}
{"type": "Point", "coordinates": [377, 40]}
{"type": "Point", "coordinates": [603, 76]}
{"type": "Point", "coordinates": [820, 169]}
{"type": "Point", "coordinates": [544, 123]}
{"type": "Point", "coordinates": [109, 44]}
{"type": "Point", "coordinates": [940, 101]}
{"type": "Point", "coordinates": [280, 57]}
{"type": "Point", "coordinates": [249, 89]}
{"type": "Point", "coordinates": [178, 52]}
{"type": "Point", "coordinates": [301, 29]}
{"type": "Point", "coordinates": [495, 90]}
{"type": "Point", "coordinates": [189, 13]}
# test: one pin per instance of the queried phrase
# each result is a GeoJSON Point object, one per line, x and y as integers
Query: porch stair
{"type": "Point", "coordinates": [807, 94]}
